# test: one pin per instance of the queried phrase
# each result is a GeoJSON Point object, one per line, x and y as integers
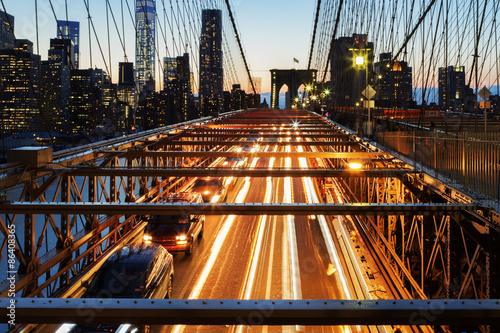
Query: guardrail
{"type": "Point", "coordinates": [470, 159]}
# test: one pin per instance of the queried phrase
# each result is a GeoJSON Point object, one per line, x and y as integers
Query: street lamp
{"type": "Point", "coordinates": [360, 57]}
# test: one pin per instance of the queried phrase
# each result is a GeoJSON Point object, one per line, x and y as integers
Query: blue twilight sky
{"type": "Point", "coordinates": [273, 32]}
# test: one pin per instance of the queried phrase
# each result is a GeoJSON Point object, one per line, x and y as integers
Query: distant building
{"type": "Point", "coordinates": [82, 100]}
{"type": "Point", "coordinates": [19, 88]}
{"type": "Point", "coordinates": [55, 86]}
{"type": "Point", "coordinates": [395, 85]}
{"type": "Point", "coordinates": [126, 73]}
{"type": "Point", "coordinates": [71, 30]}
{"type": "Point", "coordinates": [178, 85]}
{"type": "Point", "coordinates": [6, 35]}
{"type": "Point", "coordinates": [348, 82]}
{"type": "Point", "coordinates": [211, 71]}
{"type": "Point", "coordinates": [257, 83]}
{"type": "Point", "coordinates": [452, 89]}
{"type": "Point", "coordinates": [127, 93]}
{"type": "Point", "coordinates": [169, 71]}
{"type": "Point", "coordinates": [145, 22]}
{"type": "Point", "coordinates": [234, 100]}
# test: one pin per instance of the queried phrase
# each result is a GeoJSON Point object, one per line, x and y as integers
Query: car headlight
{"type": "Point", "coordinates": [147, 238]}
{"type": "Point", "coordinates": [181, 237]}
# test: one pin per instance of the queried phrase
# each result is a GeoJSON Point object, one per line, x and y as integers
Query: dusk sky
{"type": "Point", "coordinates": [273, 32]}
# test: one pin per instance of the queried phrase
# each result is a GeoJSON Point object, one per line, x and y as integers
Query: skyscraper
{"type": "Point", "coordinates": [19, 88]}
{"type": "Point", "coordinates": [211, 72]}
{"type": "Point", "coordinates": [452, 91]}
{"type": "Point", "coordinates": [6, 35]}
{"type": "Point", "coordinates": [169, 71]}
{"type": "Point", "coordinates": [55, 86]}
{"type": "Point", "coordinates": [71, 30]}
{"type": "Point", "coordinates": [126, 93]}
{"type": "Point", "coordinates": [145, 42]}
{"type": "Point", "coordinates": [82, 104]}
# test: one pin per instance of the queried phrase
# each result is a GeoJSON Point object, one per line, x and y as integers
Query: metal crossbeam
{"type": "Point", "coordinates": [263, 143]}
{"type": "Point", "coordinates": [221, 172]}
{"type": "Point", "coordinates": [250, 135]}
{"type": "Point", "coordinates": [261, 154]}
{"type": "Point", "coordinates": [231, 208]}
{"type": "Point", "coordinates": [253, 312]}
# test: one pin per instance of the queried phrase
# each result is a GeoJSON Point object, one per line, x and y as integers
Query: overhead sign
{"type": "Point", "coordinates": [484, 93]}
{"type": "Point", "coordinates": [369, 92]}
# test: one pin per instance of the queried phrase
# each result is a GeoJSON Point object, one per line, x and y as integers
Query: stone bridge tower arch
{"type": "Point", "coordinates": [293, 78]}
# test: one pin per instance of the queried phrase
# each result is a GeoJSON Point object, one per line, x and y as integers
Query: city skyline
{"type": "Point", "coordinates": [253, 36]}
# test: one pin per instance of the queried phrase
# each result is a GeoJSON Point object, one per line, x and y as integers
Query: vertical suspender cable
{"type": "Point", "coordinates": [239, 45]}
{"type": "Point", "coordinates": [318, 7]}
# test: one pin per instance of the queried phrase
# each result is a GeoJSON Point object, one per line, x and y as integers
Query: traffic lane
{"type": "Point", "coordinates": [228, 275]}
{"type": "Point", "coordinates": [187, 267]}
{"type": "Point", "coordinates": [227, 278]}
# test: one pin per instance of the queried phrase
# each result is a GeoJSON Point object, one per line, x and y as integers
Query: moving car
{"type": "Point", "coordinates": [177, 233]}
{"type": "Point", "coordinates": [134, 271]}
{"type": "Point", "coordinates": [212, 189]}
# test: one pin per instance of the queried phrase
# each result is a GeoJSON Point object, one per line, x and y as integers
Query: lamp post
{"type": "Point", "coordinates": [361, 62]}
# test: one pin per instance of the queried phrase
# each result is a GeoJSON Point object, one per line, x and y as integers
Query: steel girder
{"type": "Point", "coordinates": [76, 240]}
{"type": "Point", "coordinates": [232, 208]}
{"type": "Point", "coordinates": [253, 312]}
{"type": "Point", "coordinates": [261, 154]}
{"type": "Point", "coordinates": [229, 172]}
{"type": "Point", "coordinates": [436, 256]}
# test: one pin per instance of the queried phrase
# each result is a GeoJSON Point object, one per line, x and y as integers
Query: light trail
{"type": "Point", "coordinates": [216, 247]}
{"type": "Point", "coordinates": [332, 251]}
{"type": "Point", "coordinates": [292, 239]}
{"type": "Point", "coordinates": [260, 239]}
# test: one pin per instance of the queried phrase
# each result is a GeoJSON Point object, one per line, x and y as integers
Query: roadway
{"type": "Point", "coordinates": [261, 257]}
{"type": "Point", "coordinates": [265, 257]}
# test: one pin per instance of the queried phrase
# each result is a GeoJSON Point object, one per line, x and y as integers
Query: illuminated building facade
{"type": "Point", "coordinates": [55, 86]}
{"type": "Point", "coordinates": [82, 100]}
{"type": "Point", "coordinates": [71, 30]}
{"type": "Point", "coordinates": [211, 71]}
{"type": "Point", "coordinates": [6, 35]}
{"type": "Point", "coordinates": [451, 87]}
{"type": "Point", "coordinates": [19, 88]}
{"type": "Point", "coordinates": [127, 94]}
{"type": "Point", "coordinates": [145, 43]}
{"type": "Point", "coordinates": [395, 86]}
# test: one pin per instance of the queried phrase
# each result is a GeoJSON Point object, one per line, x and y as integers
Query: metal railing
{"type": "Point", "coordinates": [472, 160]}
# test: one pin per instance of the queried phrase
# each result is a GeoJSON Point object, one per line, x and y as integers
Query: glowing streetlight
{"type": "Point", "coordinates": [355, 165]}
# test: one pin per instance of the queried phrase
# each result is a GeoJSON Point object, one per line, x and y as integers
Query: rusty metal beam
{"type": "Point", "coordinates": [252, 312]}
{"type": "Point", "coordinates": [232, 209]}
{"type": "Point", "coordinates": [226, 172]}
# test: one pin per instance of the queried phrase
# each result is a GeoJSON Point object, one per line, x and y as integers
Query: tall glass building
{"type": "Point", "coordinates": [71, 30]}
{"type": "Point", "coordinates": [145, 43]}
{"type": "Point", "coordinates": [211, 72]}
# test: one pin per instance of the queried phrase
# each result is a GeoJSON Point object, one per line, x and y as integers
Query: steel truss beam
{"type": "Point", "coordinates": [232, 209]}
{"type": "Point", "coordinates": [261, 154]}
{"type": "Point", "coordinates": [253, 312]}
{"type": "Point", "coordinates": [277, 136]}
{"type": "Point", "coordinates": [221, 172]}
{"type": "Point", "coordinates": [338, 143]}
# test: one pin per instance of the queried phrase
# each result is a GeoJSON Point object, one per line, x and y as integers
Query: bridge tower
{"type": "Point", "coordinates": [293, 78]}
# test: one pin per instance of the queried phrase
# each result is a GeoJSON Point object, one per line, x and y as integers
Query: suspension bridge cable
{"type": "Point", "coordinates": [318, 7]}
{"type": "Point", "coordinates": [239, 45]}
